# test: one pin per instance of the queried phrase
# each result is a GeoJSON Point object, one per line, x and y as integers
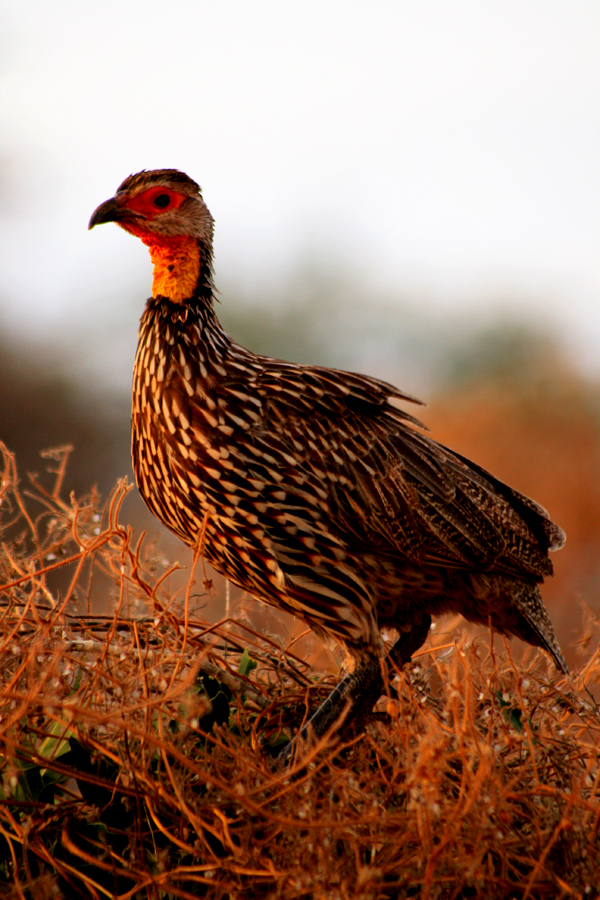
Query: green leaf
{"type": "Point", "coordinates": [247, 664]}
{"type": "Point", "coordinates": [512, 714]}
{"type": "Point", "coordinates": [56, 743]}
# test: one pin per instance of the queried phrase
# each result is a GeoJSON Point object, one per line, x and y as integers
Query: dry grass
{"type": "Point", "coordinates": [128, 770]}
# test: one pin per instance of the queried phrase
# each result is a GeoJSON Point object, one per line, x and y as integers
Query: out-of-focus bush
{"type": "Point", "coordinates": [534, 422]}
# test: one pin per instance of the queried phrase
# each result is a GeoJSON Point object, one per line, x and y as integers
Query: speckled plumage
{"type": "Point", "coordinates": [308, 486]}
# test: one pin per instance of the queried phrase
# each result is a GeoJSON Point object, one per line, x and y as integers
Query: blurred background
{"type": "Point", "coordinates": [406, 189]}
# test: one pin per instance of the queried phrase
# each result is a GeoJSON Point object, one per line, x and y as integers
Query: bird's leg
{"type": "Point", "coordinates": [358, 691]}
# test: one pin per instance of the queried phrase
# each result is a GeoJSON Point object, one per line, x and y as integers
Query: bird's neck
{"type": "Point", "coordinates": [194, 324]}
{"type": "Point", "coordinates": [181, 268]}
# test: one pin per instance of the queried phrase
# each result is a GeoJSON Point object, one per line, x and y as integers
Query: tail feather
{"type": "Point", "coordinates": [528, 601]}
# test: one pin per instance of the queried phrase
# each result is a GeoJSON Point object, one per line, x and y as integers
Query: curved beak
{"type": "Point", "coordinates": [111, 211]}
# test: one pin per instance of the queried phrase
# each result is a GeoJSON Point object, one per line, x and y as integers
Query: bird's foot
{"type": "Point", "coordinates": [353, 699]}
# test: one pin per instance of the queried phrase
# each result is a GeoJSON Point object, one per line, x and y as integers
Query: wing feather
{"type": "Point", "coordinates": [389, 486]}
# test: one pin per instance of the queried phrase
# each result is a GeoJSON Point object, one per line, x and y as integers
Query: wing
{"type": "Point", "coordinates": [386, 485]}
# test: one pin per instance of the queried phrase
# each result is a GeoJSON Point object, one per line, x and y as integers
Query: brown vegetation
{"type": "Point", "coordinates": [137, 749]}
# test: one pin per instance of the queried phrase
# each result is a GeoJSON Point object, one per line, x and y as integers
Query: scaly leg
{"type": "Point", "coordinates": [360, 691]}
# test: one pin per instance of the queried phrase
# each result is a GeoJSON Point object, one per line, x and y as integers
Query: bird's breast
{"type": "Point", "coordinates": [186, 428]}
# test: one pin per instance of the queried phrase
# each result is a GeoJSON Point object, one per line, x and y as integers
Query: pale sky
{"type": "Point", "coordinates": [452, 149]}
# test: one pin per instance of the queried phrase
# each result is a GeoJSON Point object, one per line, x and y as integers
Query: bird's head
{"type": "Point", "coordinates": [166, 210]}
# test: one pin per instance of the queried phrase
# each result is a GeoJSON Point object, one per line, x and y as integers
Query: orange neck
{"type": "Point", "coordinates": [176, 266]}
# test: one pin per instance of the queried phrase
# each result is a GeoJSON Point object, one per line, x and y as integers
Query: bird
{"type": "Point", "coordinates": [308, 487]}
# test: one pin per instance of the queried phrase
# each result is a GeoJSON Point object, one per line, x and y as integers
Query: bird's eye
{"type": "Point", "coordinates": [162, 201]}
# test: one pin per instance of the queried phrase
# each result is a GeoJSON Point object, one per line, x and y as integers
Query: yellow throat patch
{"type": "Point", "coordinates": [176, 267]}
